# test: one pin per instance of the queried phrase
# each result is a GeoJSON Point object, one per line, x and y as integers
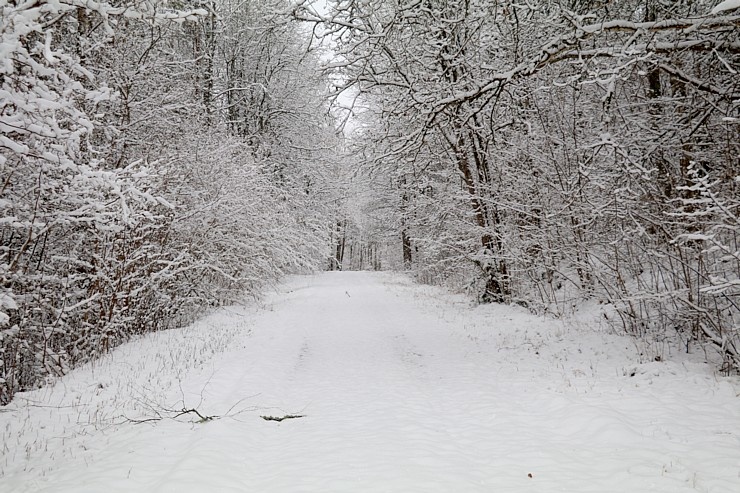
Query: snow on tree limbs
{"type": "Point", "coordinates": [129, 200]}
{"type": "Point", "coordinates": [579, 142]}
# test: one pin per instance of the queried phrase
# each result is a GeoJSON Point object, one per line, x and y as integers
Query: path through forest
{"type": "Point", "coordinates": [402, 388]}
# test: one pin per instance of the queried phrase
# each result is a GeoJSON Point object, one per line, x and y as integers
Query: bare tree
{"type": "Point", "coordinates": [589, 140]}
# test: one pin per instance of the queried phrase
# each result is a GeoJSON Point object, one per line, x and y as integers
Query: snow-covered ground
{"type": "Point", "coordinates": [402, 388]}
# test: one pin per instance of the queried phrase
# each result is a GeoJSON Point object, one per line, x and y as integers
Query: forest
{"type": "Point", "coordinates": [161, 158]}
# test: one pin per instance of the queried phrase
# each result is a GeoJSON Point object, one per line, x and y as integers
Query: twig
{"type": "Point", "coordinates": [203, 419]}
{"type": "Point", "coordinates": [281, 418]}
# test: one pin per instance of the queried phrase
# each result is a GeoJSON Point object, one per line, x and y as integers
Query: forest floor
{"type": "Point", "coordinates": [393, 387]}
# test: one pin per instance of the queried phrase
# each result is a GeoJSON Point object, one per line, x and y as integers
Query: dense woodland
{"type": "Point", "coordinates": [162, 157]}
{"type": "Point", "coordinates": [158, 158]}
{"type": "Point", "coordinates": [553, 153]}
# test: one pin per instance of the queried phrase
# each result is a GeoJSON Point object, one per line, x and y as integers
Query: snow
{"type": "Point", "coordinates": [403, 388]}
{"type": "Point", "coordinates": [725, 6]}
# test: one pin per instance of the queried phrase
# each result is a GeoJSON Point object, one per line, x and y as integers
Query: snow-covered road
{"type": "Point", "coordinates": [401, 388]}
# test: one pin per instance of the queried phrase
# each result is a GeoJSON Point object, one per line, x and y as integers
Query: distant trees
{"type": "Point", "coordinates": [550, 152]}
{"type": "Point", "coordinates": [153, 162]}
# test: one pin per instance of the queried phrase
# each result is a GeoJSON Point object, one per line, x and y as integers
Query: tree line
{"type": "Point", "coordinates": [554, 152]}
{"type": "Point", "coordinates": [156, 158]}
{"type": "Point", "coordinates": [161, 157]}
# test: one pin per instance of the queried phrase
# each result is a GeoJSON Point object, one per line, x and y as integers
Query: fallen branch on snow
{"type": "Point", "coordinates": [282, 418]}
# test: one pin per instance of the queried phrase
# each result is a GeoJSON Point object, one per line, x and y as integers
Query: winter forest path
{"type": "Point", "coordinates": [408, 389]}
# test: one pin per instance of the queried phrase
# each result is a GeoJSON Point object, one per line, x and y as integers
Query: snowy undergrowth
{"type": "Point", "coordinates": [137, 381]}
{"type": "Point", "coordinates": [574, 347]}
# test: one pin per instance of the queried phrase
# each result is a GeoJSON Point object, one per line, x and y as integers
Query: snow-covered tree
{"type": "Point", "coordinates": [129, 200]}
{"type": "Point", "coordinates": [587, 141]}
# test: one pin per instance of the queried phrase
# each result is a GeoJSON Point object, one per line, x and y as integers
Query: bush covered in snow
{"type": "Point", "coordinates": [134, 194]}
